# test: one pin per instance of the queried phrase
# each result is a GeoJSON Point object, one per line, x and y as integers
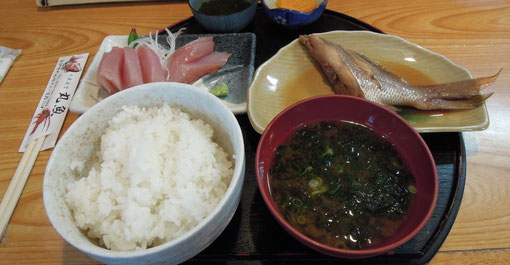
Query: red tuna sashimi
{"type": "Point", "coordinates": [152, 71]}
{"type": "Point", "coordinates": [191, 72]}
{"type": "Point", "coordinates": [131, 71]}
{"type": "Point", "coordinates": [193, 50]}
{"type": "Point", "coordinates": [189, 53]}
{"type": "Point", "coordinates": [110, 69]}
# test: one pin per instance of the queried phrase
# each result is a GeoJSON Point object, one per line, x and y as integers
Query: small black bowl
{"type": "Point", "coordinates": [223, 23]}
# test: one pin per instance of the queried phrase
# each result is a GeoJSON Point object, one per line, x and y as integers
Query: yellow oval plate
{"type": "Point", "coordinates": [292, 75]}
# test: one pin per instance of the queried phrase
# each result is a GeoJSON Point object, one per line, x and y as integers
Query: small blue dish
{"type": "Point", "coordinates": [223, 23]}
{"type": "Point", "coordinates": [292, 18]}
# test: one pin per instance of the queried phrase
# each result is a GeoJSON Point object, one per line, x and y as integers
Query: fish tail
{"type": "Point", "coordinates": [456, 95]}
{"type": "Point", "coordinates": [460, 89]}
{"type": "Point", "coordinates": [441, 103]}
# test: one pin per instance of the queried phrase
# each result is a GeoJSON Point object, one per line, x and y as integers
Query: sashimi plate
{"type": "Point", "coordinates": [292, 75]}
{"type": "Point", "coordinates": [237, 73]}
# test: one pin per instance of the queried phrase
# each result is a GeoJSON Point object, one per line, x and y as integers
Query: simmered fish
{"type": "Point", "coordinates": [351, 73]}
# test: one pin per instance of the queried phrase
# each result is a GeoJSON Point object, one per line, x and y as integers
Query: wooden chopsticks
{"type": "Point", "coordinates": [18, 181]}
{"type": "Point", "coordinates": [44, 3]}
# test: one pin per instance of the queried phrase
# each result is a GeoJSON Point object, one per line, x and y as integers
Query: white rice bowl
{"type": "Point", "coordinates": [159, 174]}
{"type": "Point", "coordinates": [113, 193]}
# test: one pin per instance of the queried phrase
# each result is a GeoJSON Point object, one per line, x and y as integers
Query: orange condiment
{"type": "Point", "coordinates": [298, 5]}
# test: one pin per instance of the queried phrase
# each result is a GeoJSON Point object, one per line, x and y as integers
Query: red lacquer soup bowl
{"type": "Point", "coordinates": [412, 149]}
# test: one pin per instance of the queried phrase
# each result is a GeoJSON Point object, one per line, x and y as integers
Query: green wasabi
{"type": "Point", "coordinates": [220, 90]}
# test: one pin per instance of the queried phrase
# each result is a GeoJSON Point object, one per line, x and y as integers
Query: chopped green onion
{"type": "Point", "coordinates": [317, 192]}
{"type": "Point", "coordinates": [340, 244]}
{"type": "Point", "coordinates": [320, 191]}
{"type": "Point", "coordinates": [315, 183]}
{"type": "Point", "coordinates": [282, 150]}
{"type": "Point", "coordinates": [340, 168]}
{"type": "Point", "coordinates": [328, 152]}
{"type": "Point", "coordinates": [306, 170]}
{"type": "Point", "coordinates": [297, 202]}
{"type": "Point", "coordinates": [412, 189]}
{"type": "Point", "coordinates": [301, 220]}
{"type": "Point", "coordinates": [333, 191]}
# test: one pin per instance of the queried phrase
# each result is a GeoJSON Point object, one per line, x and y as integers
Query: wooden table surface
{"type": "Point", "coordinates": [472, 33]}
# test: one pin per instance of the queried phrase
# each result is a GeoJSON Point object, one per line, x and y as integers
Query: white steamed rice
{"type": "Point", "coordinates": [159, 174]}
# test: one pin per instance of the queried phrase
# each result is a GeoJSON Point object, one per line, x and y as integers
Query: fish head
{"type": "Point", "coordinates": [335, 62]}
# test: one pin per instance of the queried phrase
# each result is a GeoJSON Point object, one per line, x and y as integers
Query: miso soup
{"type": "Point", "coordinates": [341, 184]}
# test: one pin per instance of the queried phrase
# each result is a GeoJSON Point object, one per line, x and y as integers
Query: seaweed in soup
{"type": "Point", "coordinates": [223, 7]}
{"type": "Point", "coordinates": [341, 184]}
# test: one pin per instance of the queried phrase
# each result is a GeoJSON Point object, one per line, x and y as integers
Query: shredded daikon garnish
{"type": "Point", "coordinates": [161, 51]}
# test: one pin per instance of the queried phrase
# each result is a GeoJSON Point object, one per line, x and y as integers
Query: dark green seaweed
{"type": "Point", "coordinates": [223, 7]}
{"type": "Point", "coordinates": [341, 184]}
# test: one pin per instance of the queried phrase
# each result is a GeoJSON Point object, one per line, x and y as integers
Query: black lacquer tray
{"type": "Point", "coordinates": [253, 235]}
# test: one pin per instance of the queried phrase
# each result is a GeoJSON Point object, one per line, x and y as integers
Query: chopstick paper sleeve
{"type": "Point", "coordinates": [54, 104]}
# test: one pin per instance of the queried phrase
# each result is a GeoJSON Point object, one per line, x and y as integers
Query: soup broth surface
{"type": "Point", "coordinates": [223, 7]}
{"type": "Point", "coordinates": [341, 184]}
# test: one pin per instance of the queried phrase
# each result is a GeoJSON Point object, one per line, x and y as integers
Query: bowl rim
{"type": "Point", "coordinates": [195, 10]}
{"type": "Point", "coordinates": [235, 182]}
{"type": "Point", "coordinates": [330, 250]}
{"type": "Point", "coordinates": [280, 9]}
